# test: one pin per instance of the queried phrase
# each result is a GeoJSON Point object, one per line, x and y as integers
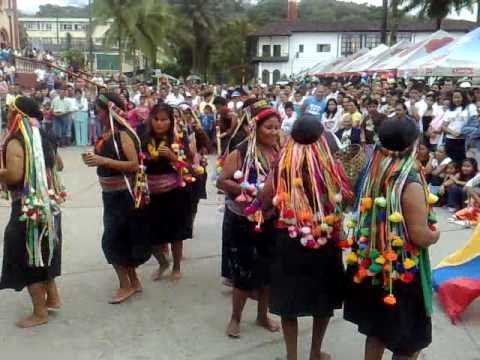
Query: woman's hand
{"type": "Point", "coordinates": [93, 160]}
{"type": "Point", "coordinates": [166, 153]}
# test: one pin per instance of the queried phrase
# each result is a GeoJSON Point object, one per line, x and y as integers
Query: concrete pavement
{"type": "Point", "coordinates": [179, 321]}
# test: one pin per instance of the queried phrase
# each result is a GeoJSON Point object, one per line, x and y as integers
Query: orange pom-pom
{"type": "Point", "coordinates": [367, 203]}
{"type": "Point", "coordinates": [390, 256]}
{"type": "Point", "coordinates": [330, 219]}
{"type": "Point", "coordinates": [389, 300]}
{"type": "Point", "coordinates": [316, 232]}
{"type": "Point", "coordinates": [305, 216]}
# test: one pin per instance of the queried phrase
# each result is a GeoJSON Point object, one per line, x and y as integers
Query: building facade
{"type": "Point", "coordinates": [284, 49]}
{"type": "Point", "coordinates": [9, 31]}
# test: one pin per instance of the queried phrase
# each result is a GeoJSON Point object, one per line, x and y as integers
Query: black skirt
{"type": "Point", "coordinates": [249, 252]}
{"type": "Point", "coordinates": [16, 273]}
{"type": "Point", "coordinates": [305, 282]}
{"type": "Point", "coordinates": [226, 260]}
{"type": "Point", "coordinates": [404, 328]}
{"type": "Point", "coordinates": [125, 238]}
{"type": "Point", "coordinates": [169, 217]}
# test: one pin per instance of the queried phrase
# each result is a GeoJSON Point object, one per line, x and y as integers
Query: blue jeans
{"type": "Point", "coordinates": [80, 122]}
{"type": "Point", "coordinates": [62, 127]}
{"type": "Point", "coordinates": [455, 197]}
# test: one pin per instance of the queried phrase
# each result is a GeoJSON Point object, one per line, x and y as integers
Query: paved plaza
{"type": "Point", "coordinates": [179, 321]}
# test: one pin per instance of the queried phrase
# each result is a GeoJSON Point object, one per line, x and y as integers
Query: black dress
{"type": "Point", "coordinates": [404, 328]}
{"type": "Point", "coordinates": [125, 235]}
{"type": "Point", "coordinates": [16, 272]}
{"type": "Point", "coordinates": [305, 282]}
{"type": "Point", "coordinates": [169, 212]}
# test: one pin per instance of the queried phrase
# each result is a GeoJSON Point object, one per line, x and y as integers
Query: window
{"type": "Point", "coordinates": [266, 51]}
{"type": "Point", "coordinates": [266, 77]}
{"type": "Point", "coordinates": [300, 48]}
{"type": "Point", "coordinates": [323, 47]}
{"type": "Point", "coordinates": [277, 50]}
{"type": "Point", "coordinates": [276, 76]}
{"type": "Point", "coordinates": [372, 40]}
{"type": "Point", "coordinates": [66, 27]}
{"type": "Point", "coordinates": [404, 36]}
{"type": "Point", "coordinates": [351, 43]}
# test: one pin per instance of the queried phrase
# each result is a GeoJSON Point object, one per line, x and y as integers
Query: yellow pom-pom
{"type": "Point", "coordinates": [199, 170]}
{"type": "Point", "coordinates": [330, 219]}
{"type": "Point", "coordinates": [432, 199]}
{"type": "Point", "coordinates": [297, 182]}
{"type": "Point", "coordinates": [408, 264]}
{"type": "Point", "coordinates": [380, 260]}
{"type": "Point", "coordinates": [351, 224]}
{"type": "Point", "coordinates": [352, 259]}
{"type": "Point", "coordinates": [395, 217]}
{"type": "Point", "coordinates": [366, 203]}
{"type": "Point", "coordinates": [397, 242]}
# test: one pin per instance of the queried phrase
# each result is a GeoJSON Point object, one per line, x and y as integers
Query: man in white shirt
{"type": "Point", "coordinates": [175, 98]}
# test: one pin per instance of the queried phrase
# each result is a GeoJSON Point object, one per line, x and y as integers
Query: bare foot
{"type": "Point", "coordinates": [321, 356]}
{"type": "Point", "coordinates": [31, 321]}
{"type": "Point", "coordinates": [54, 304]}
{"type": "Point", "coordinates": [268, 324]}
{"type": "Point", "coordinates": [137, 285]}
{"type": "Point", "coordinates": [121, 295]}
{"type": "Point", "coordinates": [175, 275]}
{"type": "Point", "coordinates": [158, 274]}
{"type": "Point", "coordinates": [233, 329]}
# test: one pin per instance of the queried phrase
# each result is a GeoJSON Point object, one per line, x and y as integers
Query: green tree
{"type": "Point", "coordinates": [438, 10]}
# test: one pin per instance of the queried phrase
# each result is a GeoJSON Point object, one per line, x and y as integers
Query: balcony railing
{"type": "Point", "coordinates": [270, 59]}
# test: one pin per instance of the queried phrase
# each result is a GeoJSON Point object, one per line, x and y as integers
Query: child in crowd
{"type": "Point", "coordinates": [348, 135]}
{"type": "Point", "coordinates": [207, 120]}
{"type": "Point", "coordinates": [469, 215]}
{"type": "Point", "coordinates": [455, 181]}
{"type": "Point", "coordinates": [47, 117]}
{"type": "Point", "coordinates": [437, 167]}
{"type": "Point", "coordinates": [289, 118]}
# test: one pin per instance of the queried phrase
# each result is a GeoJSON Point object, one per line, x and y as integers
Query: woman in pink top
{"type": "Point", "coordinates": [132, 115]}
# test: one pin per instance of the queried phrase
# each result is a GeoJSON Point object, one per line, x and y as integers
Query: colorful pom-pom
{"type": "Point", "coordinates": [366, 203]}
{"type": "Point", "coordinates": [389, 300]}
{"type": "Point", "coordinates": [297, 182]}
{"type": "Point", "coordinates": [395, 218]}
{"type": "Point", "coordinates": [238, 175]}
{"type": "Point", "coordinates": [409, 264]}
{"type": "Point", "coordinates": [381, 202]}
{"type": "Point", "coordinates": [432, 199]}
{"type": "Point", "coordinates": [352, 259]}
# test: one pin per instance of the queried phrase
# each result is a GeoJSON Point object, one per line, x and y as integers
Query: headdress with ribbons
{"type": "Point", "coordinates": [310, 189]}
{"type": "Point", "coordinates": [255, 167]}
{"type": "Point", "coordinates": [381, 251]}
{"type": "Point", "coordinates": [139, 190]}
{"type": "Point", "coordinates": [40, 197]}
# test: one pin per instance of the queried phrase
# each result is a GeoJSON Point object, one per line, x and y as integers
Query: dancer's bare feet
{"type": "Point", "coordinates": [54, 304]}
{"type": "Point", "coordinates": [137, 285]}
{"type": "Point", "coordinates": [233, 329]}
{"type": "Point", "coordinates": [268, 324]}
{"type": "Point", "coordinates": [157, 275]}
{"type": "Point", "coordinates": [175, 275]}
{"type": "Point", "coordinates": [31, 321]}
{"type": "Point", "coordinates": [121, 295]}
{"type": "Point", "coordinates": [321, 356]}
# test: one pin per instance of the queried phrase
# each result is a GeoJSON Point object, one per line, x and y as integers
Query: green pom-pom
{"type": "Point", "coordinates": [364, 232]}
{"type": "Point", "coordinates": [432, 218]}
{"type": "Point", "coordinates": [375, 268]}
{"type": "Point", "coordinates": [23, 218]}
{"type": "Point", "coordinates": [373, 254]}
{"type": "Point", "coordinates": [376, 282]}
{"type": "Point", "coordinates": [362, 253]}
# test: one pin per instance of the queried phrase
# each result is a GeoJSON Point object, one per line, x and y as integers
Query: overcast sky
{"type": "Point", "coordinates": [31, 6]}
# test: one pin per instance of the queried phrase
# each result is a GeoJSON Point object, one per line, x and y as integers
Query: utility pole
{"type": "Point", "coordinates": [90, 36]}
{"type": "Point", "coordinates": [383, 35]}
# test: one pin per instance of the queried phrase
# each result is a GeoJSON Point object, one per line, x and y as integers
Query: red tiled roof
{"type": "Point", "coordinates": [286, 28]}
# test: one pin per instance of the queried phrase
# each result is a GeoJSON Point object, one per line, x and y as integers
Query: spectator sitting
{"type": "Point", "coordinates": [348, 135]}
{"type": "Point", "coordinates": [437, 168]}
{"type": "Point", "coordinates": [455, 184]}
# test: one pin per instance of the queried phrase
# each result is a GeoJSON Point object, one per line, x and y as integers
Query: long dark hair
{"type": "Point", "coordinates": [474, 164]}
{"type": "Point", "coordinates": [465, 100]}
{"type": "Point", "coordinates": [167, 109]}
{"type": "Point", "coordinates": [331, 114]}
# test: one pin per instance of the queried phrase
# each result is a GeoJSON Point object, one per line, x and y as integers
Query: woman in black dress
{"type": "Point", "coordinates": [308, 189]}
{"type": "Point", "coordinates": [169, 211]}
{"type": "Point", "coordinates": [389, 288]}
{"type": "Point", "coordinates": [125, 239]}
{"type": "Point", "coordinates": [29, 172]}
{"type": "Point", "coordinates": [250, 250]}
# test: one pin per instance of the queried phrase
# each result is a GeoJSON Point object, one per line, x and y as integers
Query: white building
{"type": "Point", "coordinates": [287, 48]}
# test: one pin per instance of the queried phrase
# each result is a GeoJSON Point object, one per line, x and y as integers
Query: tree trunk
{"type": "Point", "coordinates": [478, 12]}
{"type": "Point", "coordinates": [120, 52]}
{"type": "Point", "coordinates": [196, 48]}
{"type": "Point", "coordinates": [439, 21]}
{"type": "Point", "coordinates": [395, 21]}
{"type": "Point", "coordinates": [383, 38]}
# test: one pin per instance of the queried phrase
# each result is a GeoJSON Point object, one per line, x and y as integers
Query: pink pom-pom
{"type": "Point", "coordinates": [250, 210]}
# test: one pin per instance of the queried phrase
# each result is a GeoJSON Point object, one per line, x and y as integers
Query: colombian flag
{"type": "Point", "coordinates": [456, 279]}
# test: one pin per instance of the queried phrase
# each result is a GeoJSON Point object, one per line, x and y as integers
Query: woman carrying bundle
{"type": "Point", "coordinates": [249, 243]}
{"type": "Point", "coordinates": [389, 292]}
{"type": "Point", "coordinates": [33, 236]}
{"type": "Point", "coordinates": [120, 172]}
{"type": "Point", "coordinates": [308, 189]}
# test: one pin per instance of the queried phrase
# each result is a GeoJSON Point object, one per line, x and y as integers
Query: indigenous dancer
{"type": "Point", "coordinates": [308, 189]}
{"type": "Point", "coordinates": [389, 292]}
{"type": "Point", "coordinates": [125, 241]}
{"type": "Point", "coordinates": [33, 237]}
{"type": "Point", "coordinates": [244, 173]}
{"type": "Point", "coordinates": [169, 211]}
